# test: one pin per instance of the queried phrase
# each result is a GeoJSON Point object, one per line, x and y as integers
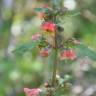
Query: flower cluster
{"type": "Point", "coordinates": [49, 26]}
{"type": "Point", "coordinates": [54, 42]}
{"type": "Point", "coordinates": [68, 54]}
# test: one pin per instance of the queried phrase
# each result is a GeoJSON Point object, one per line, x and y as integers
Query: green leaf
{"type": "Point", "coordinates": [41, 9]}
{"type": "Point", "coordinates": [85, 51]}
{"type": "Point", "coordinates": [25, 47]}
{"type": "Point", "coordinates": [66, 78]}
{"type": "Point", "coordinates": [61, 81]}
{"type": "Point", "coordinates": [57, 2]}
{"type": "Point", "coordinates": [75, 14]}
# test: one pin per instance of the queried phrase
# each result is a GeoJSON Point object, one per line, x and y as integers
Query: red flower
{"type": "Point", "coordinates": [49, 26]}
{"type": "Point", "coordinates": [32, 92]}
{"type": "Point", "coordinates": [36, 37]}
{"type": "Point", "coordinates": [68, 54]}
{"type": "Point", "coordinates": [44, 52]}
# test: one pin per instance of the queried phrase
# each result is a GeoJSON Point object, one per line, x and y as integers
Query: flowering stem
{"type": "Point", "coordinates": [51, 93]}
{"type": "Point", "coordinates": [55, 61]}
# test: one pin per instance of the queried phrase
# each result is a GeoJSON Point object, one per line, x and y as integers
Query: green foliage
{"type": "Point", "coordinates": [41, 9]}
{"type": "Point", "coordinates": [84, 51]}
{"type": "Point", "coordinates": [26, 47]}
{"type": "Point", "coordinates": [66, 78]}
{"type": "Point", "coordinates": [57, 3]}
{"type": "Point", "coordinates": [26, 68]}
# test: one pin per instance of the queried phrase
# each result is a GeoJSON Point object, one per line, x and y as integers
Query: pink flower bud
{"type": "Point", "coordinates": [44, 52]}
{"type": "Point", "coordinates": [36, 37]}
{"type": "Point", "coordinates": [42, 15]}
{"type": "Point", "coordinates": [32, 92]}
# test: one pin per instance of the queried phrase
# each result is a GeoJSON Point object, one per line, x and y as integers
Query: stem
{"type": "Point", "coordinates": [50, 93]}
{"type": "Point", "coordinates": [55, 61]}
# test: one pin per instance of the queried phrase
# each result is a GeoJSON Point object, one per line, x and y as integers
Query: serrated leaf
{"type": "Point", "coordinates": [85, 51]}
{"type": "Point", "coordinates": [25, 47]}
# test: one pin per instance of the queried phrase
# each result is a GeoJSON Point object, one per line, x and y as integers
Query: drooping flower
{"type": "Point", "coordinates": [49, 26]}
{"type": "Point", "coordinates": [68, 54]}
{"type": "Point", "coordinates": [36, 37]}
{"type": "Point", "coordinates": [32, 92]}
{"type": "Point", "coordinates": [44, 52]}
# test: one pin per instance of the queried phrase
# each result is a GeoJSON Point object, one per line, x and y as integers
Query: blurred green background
{"type": "Point", "coordinates": [18, 21]}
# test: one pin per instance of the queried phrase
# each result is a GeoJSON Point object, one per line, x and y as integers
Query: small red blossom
{"type": "Point", "coordinates": [44, 52]}
{"type": "Point", "coordinates": [42, 15]}
{"type": "Point", "coordinates": [36, 37]}
{"type": "Point", "coordinates": [49, 26]}
{"type": "Point", "coordinates": [68, 54]}
{"type": "Point", "coordinates": [32, 92]}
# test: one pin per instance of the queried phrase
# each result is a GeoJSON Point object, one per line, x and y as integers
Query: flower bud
{"type": "Point", "coordinates": [36, 37]}
{"type": "Point", "coordinates": [44, 52]}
